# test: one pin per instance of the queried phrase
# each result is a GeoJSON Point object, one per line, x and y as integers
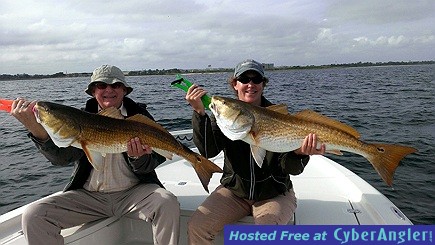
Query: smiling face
{"type": "Point", "coordinates": [249, 92]}
{"type": "Point", "coordinates": [109, 95]}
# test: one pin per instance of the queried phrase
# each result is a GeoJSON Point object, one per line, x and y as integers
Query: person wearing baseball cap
{"type": "Point", "coordinates": [125, 184]}
{"type": "Point", "coordinates": [249, 65]}
{"type": "Point", "coordinates": [248, 81]}
{"type": "Point", "coordinates": [266, 192]}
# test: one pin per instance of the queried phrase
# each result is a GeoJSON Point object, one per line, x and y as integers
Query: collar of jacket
{"type": "Point", "coordinates": [131, 106]}
{"type": "Point", "coordinates": [265, 102]}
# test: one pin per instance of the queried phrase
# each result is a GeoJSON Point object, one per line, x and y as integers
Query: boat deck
{"type": "Point", "coordinates": [327, 193]}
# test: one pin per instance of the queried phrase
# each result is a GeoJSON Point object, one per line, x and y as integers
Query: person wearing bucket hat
{"type": "Point", "coordinates": [126, 185]}
{"type": "Point", "coordinates": [266, 193]}
{"type": "Point", "coordinates": [109, 75]}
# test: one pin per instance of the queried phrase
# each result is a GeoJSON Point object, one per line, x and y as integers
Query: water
{"type": "Point", "coordinates": [385, 104]}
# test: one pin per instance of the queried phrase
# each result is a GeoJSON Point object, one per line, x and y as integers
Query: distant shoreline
{"type": "Point", "coordinates": [24, 76]}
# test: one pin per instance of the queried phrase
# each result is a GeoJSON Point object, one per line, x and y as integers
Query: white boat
{"type": "Point", "coordinates": [327, 193]}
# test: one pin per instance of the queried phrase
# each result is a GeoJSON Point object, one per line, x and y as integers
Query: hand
{"type": "Point", "coordinates": [193, 96]}
{"type": "Point", "coordinates": [135, 149]}
{"type": "Point", "coordinates": [23, 111]}
{"type": "Point", "coordinates": [309, 146]}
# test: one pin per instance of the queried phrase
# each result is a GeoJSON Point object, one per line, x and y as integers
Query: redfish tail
{"type": "Point", "coordinates": [205, 168]}
{"type": "Point", "coordinates": [387, 158]}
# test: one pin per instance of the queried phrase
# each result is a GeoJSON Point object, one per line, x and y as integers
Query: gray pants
{"type": "Point", "coordinates": [43, 220]}
{"type": "Point", "coordinates": [223, 207]}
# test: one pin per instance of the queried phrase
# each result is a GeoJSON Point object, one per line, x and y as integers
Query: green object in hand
{"type": "Point", "coordinates": [185, 84]}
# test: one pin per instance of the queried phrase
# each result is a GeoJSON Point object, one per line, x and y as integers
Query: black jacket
{"type": "Point", "coordinates": [241, 173]}
{"type": "Point", "coordinates": [143, 167]}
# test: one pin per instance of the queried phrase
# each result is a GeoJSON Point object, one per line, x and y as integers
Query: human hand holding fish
{"type": "Point", "coordinates": [310, 146]}
{"type": "Point", "coordinates": [22, 110]}
{"type": "Point", "coordinates": [136, 149]}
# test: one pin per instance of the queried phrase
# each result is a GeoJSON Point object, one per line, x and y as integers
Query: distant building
{"type": "Point", "coordinates": [268, 66]}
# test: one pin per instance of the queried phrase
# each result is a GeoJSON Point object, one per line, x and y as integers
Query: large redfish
{"type": "Point", "coordinates": [99, 134]}
{"type": "Point", "coordinates": [275, 130]}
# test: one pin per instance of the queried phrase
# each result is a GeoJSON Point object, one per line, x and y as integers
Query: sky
{"type": "Point", "coordinates": [50, 36]}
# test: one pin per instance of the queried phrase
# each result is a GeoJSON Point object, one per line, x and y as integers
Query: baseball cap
{"type": "Point", "coordinates": [248, 65]}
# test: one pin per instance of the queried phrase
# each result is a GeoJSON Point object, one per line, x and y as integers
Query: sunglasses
{"type": "Point", "coordinates": [246, 80]}
{"type": "Point", "coordinates": [101, 85]}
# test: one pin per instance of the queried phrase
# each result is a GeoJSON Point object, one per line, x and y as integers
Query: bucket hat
{"type": "Point", "coordinates": [108, 74]}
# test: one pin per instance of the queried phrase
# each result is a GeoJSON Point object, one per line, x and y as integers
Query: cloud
{"type": "Point", "coordinates": [376, 12]}
{"type": "Point", "coordinates": [50, 36]}
{"type": "Point", "coordinates": [383, 41]}
{"type": "Point", "coordinates": [394, 41]}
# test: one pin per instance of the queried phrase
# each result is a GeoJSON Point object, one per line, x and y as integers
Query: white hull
{"type": "Point", "coordinates": [327, 193]}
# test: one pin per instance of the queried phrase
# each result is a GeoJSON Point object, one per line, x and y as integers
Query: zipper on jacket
{"type": "Point", "coordinates": [252, 169]}
{"type": "Point", "coordinates": [205, 137]}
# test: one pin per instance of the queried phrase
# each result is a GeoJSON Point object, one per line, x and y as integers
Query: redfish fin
{"type": "Point", "coordinates": [313, 116]}
{"type": "Point", "coordinates": [258, 154]}
{"type": "Point", "coordinates": [58, 141]}
{"type": "Point", "coordinates": [143, 119]}
{"type": "Point", "coordinates": [205, 168]}
{"type": "Point", "coordinates": [387, 158]}
{"type": "Point", "coordinates": [166, 154]}
{"type": "Point", "coordinates": [95, 158]}
{"type": "Point", "coordinates": [111, 112]}
{"type": "Point", "coordinates": [335, 152]}
{"type": "Point", "coordinates": [281, 108]}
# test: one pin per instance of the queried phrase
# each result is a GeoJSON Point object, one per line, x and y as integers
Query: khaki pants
{"type": "Point", "coordinates": [223, 207]}
{"type": "Point", "coordinates": [43, 221]}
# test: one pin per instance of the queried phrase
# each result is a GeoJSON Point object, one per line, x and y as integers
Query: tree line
{"type": "Point", "coordinates": [174, 71]}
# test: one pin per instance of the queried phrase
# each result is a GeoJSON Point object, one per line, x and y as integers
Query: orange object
{"type": "Point", "coordinates": [5, 105]}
